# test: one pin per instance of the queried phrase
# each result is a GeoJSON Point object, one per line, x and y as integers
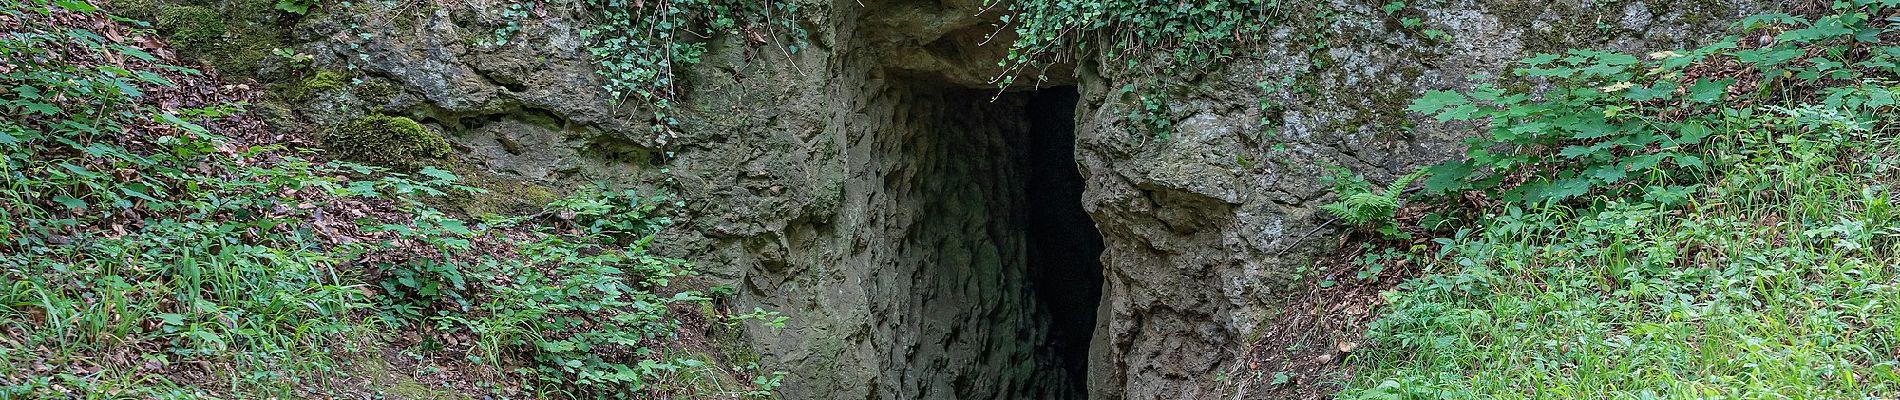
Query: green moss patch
{"type": "Point", "coordinates": [230, 36]}
{"type": "Point", "coordinates": [395, 142]}
{"type": "Point", "coordinates": [317, 83]}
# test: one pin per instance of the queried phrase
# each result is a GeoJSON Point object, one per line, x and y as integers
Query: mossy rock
{"type": "Point", "coordinates": [317, 83]}
{"type": "Point", "coordinates": [395, 142]}
{"type": "Point", "coordinates": [231, 36]}
{"type": "Point", "coordinates": [193, 27]}
{"type": "Point", "coordinates": [377, 91]}
{"type": "Point", "coordinates": [323, 81]}
{"type": "Point", "coordinates": [500, 195]}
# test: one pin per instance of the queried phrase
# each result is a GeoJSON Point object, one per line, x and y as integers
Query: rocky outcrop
{"type": "Point", "coordinates": [1205, 228]}
{"type": "Point", "coordinates": [872, 186]}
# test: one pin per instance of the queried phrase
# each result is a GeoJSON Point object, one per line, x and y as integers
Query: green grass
{"type": "Point", "coordinates": [1771, 273]}
{"type": "Point", "coordinates": [1778, 280]}
{"type": "Point", "coordinates": [149, 250]}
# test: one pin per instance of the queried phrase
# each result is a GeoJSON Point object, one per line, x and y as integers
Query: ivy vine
{"type": "Point", "coordinates": [641, 45]}
{"type": "Point", "coordinates": [1050, 32]}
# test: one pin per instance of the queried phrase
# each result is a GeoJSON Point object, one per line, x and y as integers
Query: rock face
{"type": "Point", "coordinates": [873, 187]}
{"type": "Point", "coordinates": [1205, 228]}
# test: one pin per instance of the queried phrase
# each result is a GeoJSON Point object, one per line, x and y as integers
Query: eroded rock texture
{"type": "Point", "coordinates": [873, 187]}
{"type": "Point", "coordinates": [1205, 228]}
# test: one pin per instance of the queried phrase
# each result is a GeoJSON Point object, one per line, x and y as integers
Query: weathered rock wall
{"type": "Point", "coordinates": [1205, 229]}
{"type": "Point", "coordinates": [861, 187]}
{"type": "Point", "coordinates": [865, 187]}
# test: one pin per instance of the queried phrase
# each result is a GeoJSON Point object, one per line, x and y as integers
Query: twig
{"type": "Point", "coordinates": [1303, 238]}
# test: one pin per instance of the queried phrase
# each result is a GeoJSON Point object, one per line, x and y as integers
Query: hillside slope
{"type": "Point", "coordinates": [160, 241]}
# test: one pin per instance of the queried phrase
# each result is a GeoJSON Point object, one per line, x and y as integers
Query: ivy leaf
{"type": "Point", "coordinates": [1393, 7]}
{"type": "Point", "coordinates": [1642, 162]}
{"type": "Point", "coordinates": [437, 173]}
{"type": "Point", "coordinates": [1458, 113]}
{"type": "Point", "coordinates": [1770, 56]}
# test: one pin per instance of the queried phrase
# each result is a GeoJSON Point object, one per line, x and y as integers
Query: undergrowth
{"type": "Point", "coordinates": [1707, 223]}
{"type": "Point", "coordinates": [154, 247]}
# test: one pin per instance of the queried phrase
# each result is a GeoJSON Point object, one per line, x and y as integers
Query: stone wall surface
{"type": "Point", "coordinates": [865, 186]}
{"type": "Point", "coordinates": [1205, 229]}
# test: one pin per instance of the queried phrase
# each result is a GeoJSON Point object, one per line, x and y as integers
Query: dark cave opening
{"type": "Point", "coordinates": [1064, 247]}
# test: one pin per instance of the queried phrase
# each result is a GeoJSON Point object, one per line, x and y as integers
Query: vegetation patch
{"type": "Point", "coordinates": [231, 36]}
{"type": "Point", "coordinates": [157, 246]}
{"type": "Point", "coordinates": [394, 142]}
{"type": "Point", "coordinates": [641, 47]}
{"type": "Point", "coordinates": [1706, 223]}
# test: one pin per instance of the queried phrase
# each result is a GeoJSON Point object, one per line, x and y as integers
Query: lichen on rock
{"type": "Point", "coordinates": [395, 142]}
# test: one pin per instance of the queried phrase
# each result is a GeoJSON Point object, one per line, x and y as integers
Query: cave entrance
{"type": "Point", "coordinates": [1063, 247]}
{"type": "Point", "coordinates": [985, 189]}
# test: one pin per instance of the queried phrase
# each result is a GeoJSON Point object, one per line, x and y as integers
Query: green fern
{"type": "Point", "coordinates": [1360, 207]}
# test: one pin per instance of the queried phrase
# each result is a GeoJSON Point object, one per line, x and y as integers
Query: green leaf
{"type": "Point", "coordinates": [27, 92]}
{"type": "Point", "coordinates": [42, 108]}
{"type": "Point", "coordinates": [181, 123]}
{"type": "Point", "coordinates": [1707, 91]}
{"type": "Point", "coordinates": [1692, 133]}
{"type": "Point", "coordinates": [69, 202]}
{"type": "Point", "coordinates": [1577, 151]}
{"type": "Point", "coordinates": [76, 5]}
{"type": "Point", "coordinates": [1689, 161]}
{"type": "Point", "coordinates": [437, 173]}
{"type": "Point", "coordinates": [1606, 173]}
{"type": "Point", "coordinates": [1660, 91]}
{"type": "Point", "coordinates": [1436, 100]}
{"type": "Point", "coordinates": [1592, 129]}
{"type": "Point", "coordinates": [134, 52]}
{"type": "Point", "coordinates": [299, 7]}
{"type": "Point", "coordinates": [1447, 176]}
{"type": "Point", "coordinates": [1828, 27]}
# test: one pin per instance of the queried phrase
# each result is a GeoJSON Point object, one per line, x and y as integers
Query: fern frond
{"type": "Point", "coordinates": [1398, 186]}
{"type": "Point", "coordinates": [1365, 209]}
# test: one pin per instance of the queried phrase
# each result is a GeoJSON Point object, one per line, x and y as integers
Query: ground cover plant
{"type": "Point", "coordinates": [1706, 223]}
{"type": "Point", "coordinates": [161, 242]}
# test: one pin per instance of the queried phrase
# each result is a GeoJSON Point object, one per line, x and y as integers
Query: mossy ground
{"type": "Point", "coordinates": [230, 36]}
